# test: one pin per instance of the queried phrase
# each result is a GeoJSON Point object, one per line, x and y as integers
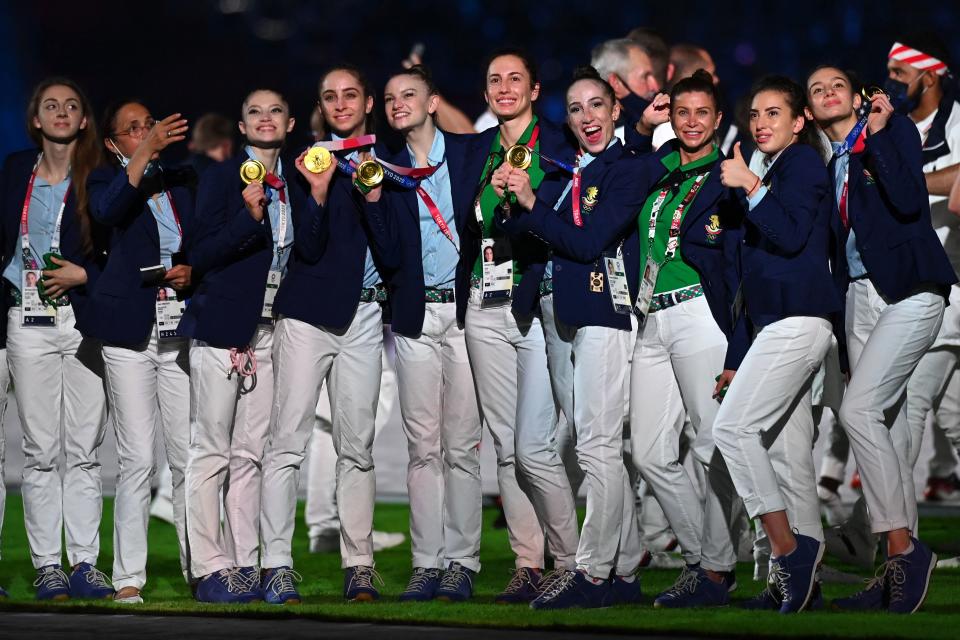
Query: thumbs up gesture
{"type": "Point", "coordinates": [734, 172]}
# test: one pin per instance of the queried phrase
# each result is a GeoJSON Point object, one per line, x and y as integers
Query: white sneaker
{"type": "Point", "coordinates": [162, 509]}
{"type": "Point", "coordinates": [949, 563]}
{"type": "Point", "coordinates": [831, 506]}
{"type": "Point", "coordinates": [387, 540]}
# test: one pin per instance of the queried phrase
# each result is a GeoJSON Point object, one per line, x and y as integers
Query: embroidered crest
{"type": "Point", "coordinates": [713, 229]}
{"type": "Point", "coordinates": [590, 200]}
{"type": "Point", "coordinates": [869, 177]}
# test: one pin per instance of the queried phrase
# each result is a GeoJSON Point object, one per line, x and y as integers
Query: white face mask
{"type": "Point", "coordinates": [152, 167]}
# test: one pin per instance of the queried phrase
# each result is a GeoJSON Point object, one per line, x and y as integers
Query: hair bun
{"type": "Point", "coordinates": [586, 72]}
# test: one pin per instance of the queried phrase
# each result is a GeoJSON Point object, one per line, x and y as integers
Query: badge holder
{"type": "Point", "coordinates": [170, 310]}
{"type": "Point", "coordinates": [496, 284]}
{"type": "Point", "coordinates": [273, 284]}
{"type": "Point", "coordinates": [34, 311]}
{"type": "Point", "coordinates": [619, 289]}
{"type": "Point", "coordinates": [647, 283]}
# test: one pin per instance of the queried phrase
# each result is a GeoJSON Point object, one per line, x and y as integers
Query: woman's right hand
{"type": "Point", "coordinates": [499, 179]}
{"type": "Point", "coordinates": [319, 182]}
{"type": "Point", "coordinates": [165, 132]}
{"type": "Point", "coordinates": [255, 199]}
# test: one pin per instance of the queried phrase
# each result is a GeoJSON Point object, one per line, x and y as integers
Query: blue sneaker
{"type": "Point", "coordinates": [523, 587]}
{"type": "Point", "coordinates": [358, 584]}
{"type": "Point", "coordinates": [873, 597]}
{"type": "Point", "coordinates": [3, 594]}
{"type": "Point", "coordinates": [423, 585]}
{"type": "Point", "coordinates": [693, 588]}
{"type": "Point", "coordinates": [573, 589]}
{"type": "Point", "coordinates": [227, 586]}
{"type": "Point", "coordinates": [278, 586]}
{"type": "Point", "coordinates": [796, 573]}
{"type": "Point", "coordinates": [769, 600]}
{"type": "Point", "coordinates": [252, 576]}
{"type": "Point", "coordinates": [456, 585]}
{"type": "Point", "coordinates": [86, 581]}
{"type": "Point", "coordinates": [52, 583]}
{"type": "Point", "coordinates": [908, 578]}
{"type": "Point", "coordinates": [623, 591]}
{"type": "Point", "coordinates": [730, 579]}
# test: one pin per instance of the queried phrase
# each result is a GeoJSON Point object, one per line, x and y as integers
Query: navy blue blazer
{"type": "Point", "coordinates": [325, 275]}
{"type": "Point", "coordinates": [231, 255]}
{"type": "Point", "coordinates": [394, 222]}
{"type": "Point", "coordinates": [13, 189]}
{"type": "Point", "coordinates": [558, 144]}
{"type": "Point", "coordinates": [122, 308]}
{"type": "Point", "coordinates": [623, 181]}
{"type": "Point", "coordinates": [784, 254]}
{"type": "Point", "coordinates": [889, 211]}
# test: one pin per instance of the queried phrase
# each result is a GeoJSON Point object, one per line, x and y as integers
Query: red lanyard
{"type": "Point", "coordinates": [25, 218]}
{"type": "Point", "coordinates": [435, 212]}
{"type": "Point", "coordinates": [577, 217]}
{"type": "Point", "coordinates": [842, 205]}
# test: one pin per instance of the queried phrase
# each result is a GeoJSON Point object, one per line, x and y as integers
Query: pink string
{"type": "Point", "coordinates": [243, 362]}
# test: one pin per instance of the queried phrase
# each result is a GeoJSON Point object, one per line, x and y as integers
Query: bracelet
{"type": "Point", "coordinates": [755, 186]}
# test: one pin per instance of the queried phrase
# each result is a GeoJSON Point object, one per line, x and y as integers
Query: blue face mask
{"type": "Point", "coordinates": [899, 93]}
{"type": "Point", "coordinates": [152, 167]}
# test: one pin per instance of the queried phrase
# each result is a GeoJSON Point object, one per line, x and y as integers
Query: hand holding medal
{"type": "Point", "coordinates": [316, 165]}
{"type": "Point", "coordinates": [255, 198]}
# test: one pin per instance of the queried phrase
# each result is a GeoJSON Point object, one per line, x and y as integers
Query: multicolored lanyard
{"type": "Point", "coordinates": [674, 236]}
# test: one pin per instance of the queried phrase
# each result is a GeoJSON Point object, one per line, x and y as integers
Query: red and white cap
{"type": "Point", "coordinates": [916, 59]}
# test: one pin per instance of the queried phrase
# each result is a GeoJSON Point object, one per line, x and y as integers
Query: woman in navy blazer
{"type": "Point", "coordinates": [786, 302]}
{"type": "Point", "coordinates": [57, 373]}
{"type": "Point", "coordinates": [588, 228]}
{"type": "Point", "coordinates": [896, 277]}
{"type": "Point", "coordinates": [243, 240]}
{"type": "Point", "coordinates": [146, 361]}
{"type": "Point", "coordinates": [329, 328]}
{"type": "Point", "coordinates": [438, 400]}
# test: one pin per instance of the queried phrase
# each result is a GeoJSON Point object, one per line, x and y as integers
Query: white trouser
{"type": "Point", "coordinates": [4, 389]}
{"type": "Point", "coordinates": [764, 427]}
{"type": "Point", "coordinates": [441, 419]}
{"type": "Point", "coordinates": [675, 359]}
{"type": "Point", "coordinates": [57, 377]}
{"type": "Point", "coordinates": [946, 430]}
{"type": "Point", "coordinates": [229, 423]}
{"type": "Point", "coordinates": [925, 393]}
{"type": "Point", "coordinates": [144, 385]}
{"type": "Point", "coordinates": [350, 362]}
{"type": "Point", "coordinates": [509, 358]}
{"type": "Point", "coordinates": [588, 366]}
{"type": "Point", "coordinates": [884, 344]}
{"type": "Point", "coordinates": [320, 512]}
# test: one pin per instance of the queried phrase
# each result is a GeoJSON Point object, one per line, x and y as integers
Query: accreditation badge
{"type": "Point", "coordinates": [496, 283]}
{"type": "Point", "coordinates": [619, 290]}
{"type": "Point", "coordinates": [169, 311]}
{"type": "Point", "coordinates": [647, 284]}
{"type": "Point", "coordinates": [273, 283]}
{"type": "Point", "coordinates": [34, 311]}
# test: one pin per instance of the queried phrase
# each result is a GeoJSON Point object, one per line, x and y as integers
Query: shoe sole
{"type": "Point", "coordinates": [362, 597]}
{"type": "Point", "coordinates": [59, 598]}
{"type": "Point", "coordinates": [813, 577]}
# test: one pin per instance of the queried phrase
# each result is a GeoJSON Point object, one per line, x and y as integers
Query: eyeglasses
{"type": "Point", "coordinates": [137, 130]}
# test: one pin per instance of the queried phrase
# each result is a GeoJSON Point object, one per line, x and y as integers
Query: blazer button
{"type": "Point", "coordinates": [558, 267]}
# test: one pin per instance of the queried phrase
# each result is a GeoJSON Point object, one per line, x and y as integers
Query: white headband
{"type": "Point", "coordinates": [916, 59]}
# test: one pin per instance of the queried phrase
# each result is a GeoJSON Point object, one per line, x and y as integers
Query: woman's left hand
{"type": "Point", "coordinates": [723, 383]}
{"type": "Point", "coordinates": [735, 172]}
{"type": "Point", "coordinates": [518, 183]}
{"type": "Point", "coordinates": [179, 277]}
{"type": "Point", "coordinates": [57, 282]}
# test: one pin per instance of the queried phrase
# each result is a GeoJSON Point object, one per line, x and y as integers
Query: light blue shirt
{"type": "Point", "coordinates": [585, 159]}
{"type": "Point", "coordinates": [371, 277]}
{"type": "Point", "coordinates": [278, 263]}
{"type": "Point", "coordinates": [440, 255]}
{"type": "Point", "coordinates": [44, 205]}
{"type": "Point", "coordinates": [167, 227]}
{"type": "Point", "coordinates": [854, 262]}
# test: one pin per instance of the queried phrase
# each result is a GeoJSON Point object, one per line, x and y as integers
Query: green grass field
{"type": "Point", "coordinates": [166, 593]}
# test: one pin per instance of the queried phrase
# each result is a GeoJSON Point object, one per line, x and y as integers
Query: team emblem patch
{"type": "Point", "coordinates": [590, 200]}
{"type": "Point", "coordinates": [869, 177]}
{"type": "Point", "coordinates": [713, 229]}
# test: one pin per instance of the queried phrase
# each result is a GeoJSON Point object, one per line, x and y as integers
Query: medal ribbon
{"type": "Point", "coordinates": [28, 261]}
{"type": "Point", "coordinates": [577, 217]}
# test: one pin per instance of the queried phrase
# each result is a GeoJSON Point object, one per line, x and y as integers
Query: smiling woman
{"type": "Point", "coordinates": [59, 389]}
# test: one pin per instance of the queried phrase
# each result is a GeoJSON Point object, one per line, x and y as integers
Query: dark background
{"type": "Point", "coordinates": [195, 56]}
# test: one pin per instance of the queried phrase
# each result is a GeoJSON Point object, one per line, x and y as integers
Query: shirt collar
{"type": "Point", "coordinates": [587, 158]}
{"type": "Point", "coordinates": [438, 151]}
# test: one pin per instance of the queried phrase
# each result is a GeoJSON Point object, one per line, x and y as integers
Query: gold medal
{"type": "Point", "coordinates": [519, 156]}
{"type": "Point", "coordinates": [369, 173]}
{"type": "Point", "coordinates": [317, 160]}
{"type": "Point", "coordinates": [252, 171]}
